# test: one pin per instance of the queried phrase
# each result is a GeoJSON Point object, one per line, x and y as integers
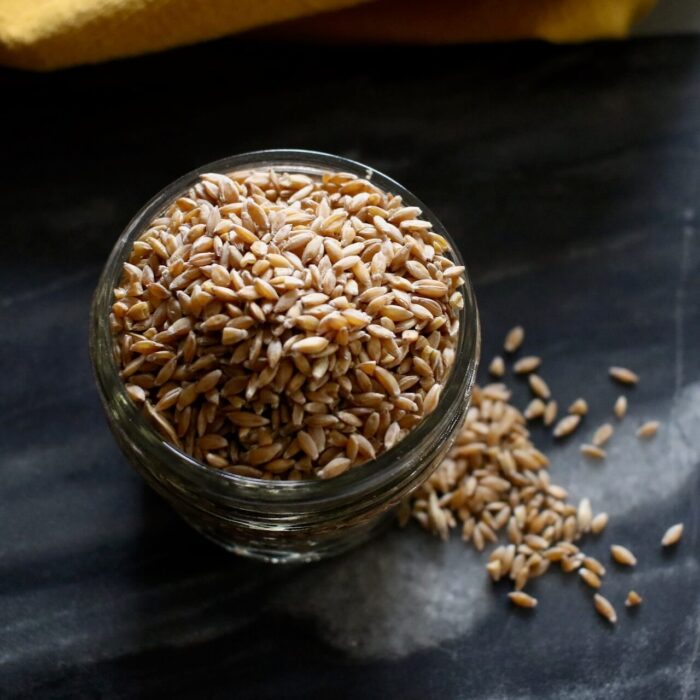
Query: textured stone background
{"type": "Point", "coordinates": [569, 177]}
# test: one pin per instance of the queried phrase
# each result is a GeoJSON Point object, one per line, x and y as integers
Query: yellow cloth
{"type": "Point", "coordinates": [46, 34]}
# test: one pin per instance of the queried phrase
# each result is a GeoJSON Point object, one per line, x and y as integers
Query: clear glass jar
{"type": "Point", "coordinates": [279, 521]}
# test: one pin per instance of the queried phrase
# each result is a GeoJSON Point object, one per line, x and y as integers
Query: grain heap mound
{"type": "Point", "coordinates": [281, 326]}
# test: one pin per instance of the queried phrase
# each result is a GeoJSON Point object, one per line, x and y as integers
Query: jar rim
{"type": "Point", "coordinates": [364, 479]}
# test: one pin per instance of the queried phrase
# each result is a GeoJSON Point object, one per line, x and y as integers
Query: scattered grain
{"type": "Point", "coordinates": [620, 407]}
{"type": "Point", "coordinates": [522, 600]}
{"type": "Point", "coordinates": [603, 434]}
{"type": "Point", "coordinates": [497, 367]}
{"type": "Point", "coordinates": [622, 555]}
{"type": "Point", "coordinates": [584, 515]}
{"type": "Point", "coordinates": [594, 565]}
{"type": "Point", "coordinates": [539, 386]}
{"type": "Point", "coordinates": [550, 413]}
{"type": "Point", "coordinates": [535, 409]}
{"type": "Point", "coordinates": [569, 564]}
{"type": "Point", "coordinates": [599, 523]}
{"type": "Point", "coordinates": [672, 535]}
{"type": "Point", "coordinates": [528, 364]}
{"type": "Point", "coordinates": [648, 429]}
{"type": "Point", "coordinates": [605, 608]}
{"type": "Point", "coordinates": [566, 425]}
{"type": "Point", "coordinates": [514, 339]}
{"type": "Point", "coordinates": [494, 570]}
{"type": "Point", "coordinates": [495, 484]}
{"type": "Point", "coordinates": [579, 407]}
{"type": "Point", "coordinates": [592, 451]}
{"type": "Point", "coordinates": [623, 375]}
{"type": "Point", "coordinates": [633, 599]}
{"type": "Point", "coordinates": [590, 578]}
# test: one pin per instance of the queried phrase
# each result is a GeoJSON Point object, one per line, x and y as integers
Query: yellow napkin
{"type": "Point", "coordinates": [46, 34]}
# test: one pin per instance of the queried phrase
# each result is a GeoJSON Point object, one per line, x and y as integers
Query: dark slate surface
{"type": "Point", "coordinates": [570, 178]}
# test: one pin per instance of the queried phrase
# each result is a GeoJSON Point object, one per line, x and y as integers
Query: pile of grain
{"type": "Point", "coordinates": [282, 326]}
{"type": "Point", "coordinates": [495, 480]}
{"type": "Point", "coordinates": [495, 485]}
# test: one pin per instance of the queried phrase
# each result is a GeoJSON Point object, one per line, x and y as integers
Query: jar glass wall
{"type": "Point", "coordinates": [279, 520]}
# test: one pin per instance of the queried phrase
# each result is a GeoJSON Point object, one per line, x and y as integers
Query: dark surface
{"type": "Point", "coordinates": [570, 178]}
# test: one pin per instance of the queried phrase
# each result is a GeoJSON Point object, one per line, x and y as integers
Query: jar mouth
{"type": "Point", "coordinates": [390, 466]}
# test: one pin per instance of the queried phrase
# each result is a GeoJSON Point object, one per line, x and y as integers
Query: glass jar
{"type": "Point", "coordinates": [279, 521]}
